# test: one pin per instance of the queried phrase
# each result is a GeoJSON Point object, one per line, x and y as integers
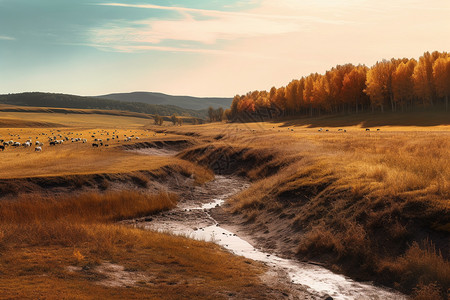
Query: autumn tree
{"type": "Point", "coordinates": [402, 82]}
{"type": "Point", "coordinates": [308, 92]}
{"type": "Point", "coordinates": [441, 74]}
{"type": "Point", "coordinates": [219, 114]}
{"type": "Point", "coordinates": [280, 100]}
{"type": "Point", "coordinates": [300, 103]}
{"type": "Point", "coordinates": [211, 114]}
{"type": "Point", "coordinates": [291, 96]}
{"type": "Point", "coordinates": [423, 78]}
{"type": "Point", "coordinates": [174, 119]}
{"type": "Point", "coordinates": [272, 93]}
{"type": "Point", "coordinates": [394, 83]}
{"type": "Point", "coordinates": [263, 100]}
{"type": "Point", "coordinates": [234, 105]}
{"type": "Point", "coordinates": [321, 94]}
{"type": "Point", "coordinates": [246, 105]}
{"type": "Point", "coordinates": [335, 78]}
{"type": "Point", "coordinates": [353, 85]}
{"type": "Point", "coordinates": [158, 120]}
{"type": "Point", "coordinates": [379, 84]}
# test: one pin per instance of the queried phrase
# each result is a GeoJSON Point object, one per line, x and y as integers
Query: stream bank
{"type": "Point", "coordinates": [197, 217]}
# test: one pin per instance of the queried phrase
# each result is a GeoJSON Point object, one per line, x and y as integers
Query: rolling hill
{"type": "Point", "coordinates": [163, 99]}
{"type": "Point", "coordinates": [78, 102]}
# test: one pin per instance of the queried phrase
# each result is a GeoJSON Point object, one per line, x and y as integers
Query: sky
{"type": "Point", "coordinates": [204, 47]}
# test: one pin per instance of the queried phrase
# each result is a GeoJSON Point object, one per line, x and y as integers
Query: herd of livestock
{"type": "Point", "coordinates": [58, 139]}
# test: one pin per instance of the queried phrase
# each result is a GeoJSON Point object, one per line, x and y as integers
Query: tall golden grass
{"type": "Point", "coordinates": [87, 207]}
{"type": "Point", "coordinates": [37, 219]}
{"type": "Point", "coordinates": [363, 200]}
{"type": "Point", "coordinates": [41, 237]}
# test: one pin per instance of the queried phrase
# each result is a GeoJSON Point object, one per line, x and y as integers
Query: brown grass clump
{"type": "Point", "coordinates": [422, 269]}
{"type": "Point", "coordinates": [427, 292]}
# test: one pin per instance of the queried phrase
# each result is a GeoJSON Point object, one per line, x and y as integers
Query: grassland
{"type": "Point", "coordinates": [62, 248]}
{"type": "Point", "coordinates": [372, 204]}
{"type": "Point", "coordinates": [71, 158]}
{"type": "Point", "coordinates": [69, 245]}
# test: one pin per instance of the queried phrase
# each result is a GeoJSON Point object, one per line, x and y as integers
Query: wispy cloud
{"type": "Point", "coordinates": [144, 48]}
{"type": "Point", "coordinates": [217, 26]}
{"type": "Point", "coordinates": [6, 38]}
{"type": "Point", "coordinates": [218, 13]}
{"type": "Point", "coordinates": [190, 29]}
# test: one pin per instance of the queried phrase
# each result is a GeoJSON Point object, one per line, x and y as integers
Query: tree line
{"type": "Point", "coordinates": [394, 85]}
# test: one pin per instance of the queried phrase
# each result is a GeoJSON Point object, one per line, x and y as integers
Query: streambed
{"type": "Point", "coordinates": [192, 219]}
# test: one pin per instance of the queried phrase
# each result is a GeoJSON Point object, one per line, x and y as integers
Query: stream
{"type": "Point", "coordinates": [191, 218]}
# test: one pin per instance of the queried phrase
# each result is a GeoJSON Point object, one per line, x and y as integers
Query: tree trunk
{"type": "Point", "coordinates": [446, 102]}
{"type": "Point", "coordinates": [357, 106]}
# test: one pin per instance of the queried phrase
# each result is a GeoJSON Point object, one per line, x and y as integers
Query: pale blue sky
{"type": "Point", "coordinates": [203, 48]}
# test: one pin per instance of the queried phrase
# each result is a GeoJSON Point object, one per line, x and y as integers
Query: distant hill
{"type": "Point", "coordinates": [71, 101]}
{"type": "Point", "coordinates": [163, 99]}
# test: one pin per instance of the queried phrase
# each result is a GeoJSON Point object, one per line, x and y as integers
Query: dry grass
{"type": "Point", "coordinates": [40, 238]}
{"type": "Point", "coordinates": [87, 119]}
{"type": "Point", "coordinates": [87, 208]}
{"type": "Point", "coordinates": [424, 265]}
{"type": "Point", "coordinates": [359, 199]}
{"type": "Point", "coordinates": [78, 158]}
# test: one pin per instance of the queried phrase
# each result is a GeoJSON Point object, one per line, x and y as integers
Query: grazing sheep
{"type": "Point", "coordinates": [38, 149]}
{"type": "Point", "coordinates": [367, 129]}
{"type": "Point", "coordinates": [94, 145]}
{"type": "Point", "coordinates": [2, 147]}
{"type": "Point", "coordinates": [378, 129]}
{"type": "Point", "coordinates": [320, 129]}
{"type": "Point", "coordinates": [52, 143]}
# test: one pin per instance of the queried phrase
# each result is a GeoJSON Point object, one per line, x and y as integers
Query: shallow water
{"type": "Point", "coordinates": [194, 221]}
{"type": "Point", "coordinates": [155, 151]}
